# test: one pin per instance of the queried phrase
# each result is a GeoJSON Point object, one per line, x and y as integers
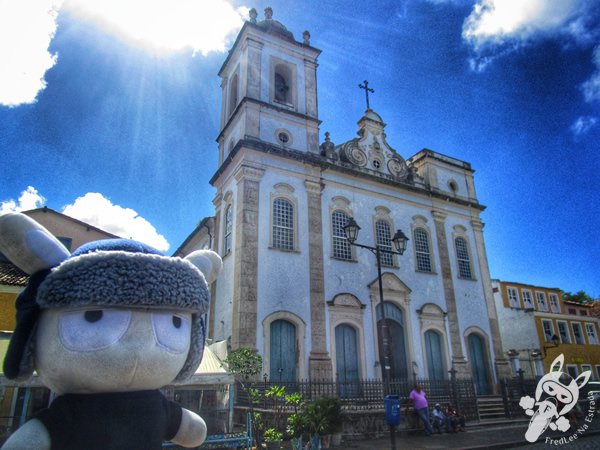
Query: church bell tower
{"type": "Point", "coordinates": [269, 88]}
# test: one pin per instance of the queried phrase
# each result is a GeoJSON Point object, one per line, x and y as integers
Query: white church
{"type": "Point", "coordinates": [292, 285]}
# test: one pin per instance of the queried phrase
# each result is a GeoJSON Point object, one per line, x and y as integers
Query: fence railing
{"type": "Point", "coordinates": [364, 395]}
{"type": "Point", "coordinates": [515, 388]}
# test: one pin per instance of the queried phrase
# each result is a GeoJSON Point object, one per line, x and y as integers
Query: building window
{"type": "Point", "coordinates": [586, 367]}
{"type": "Point", "coordinates": [548, 330]}
{"type": "Point", "coordinates": [462, 256]}
{"type": "Point", "coordinates": [578, 333]}
{"type": "Point", "coordinates": [572, 311]}
{"type": "Point", "coordinates": [541, 301]}
{"type": "Point", "coordinates": [233, 94]}
{"type": "Point", "coordinates": [554, 305]}
{"type": "Point", "coordinates": [283, 224]}
{"type": "Point", "coordinates": [228, 230]}
{"type": "Point", "coordinates": [527, 299]}
{"type": "Point", "coordinates": [582, 312]}
{"type": "Point", "coordinates": [384, 241]}
{"type": "Point", "coordinates": [513, 297]}
{"type": "Point", "coordinates": [423, 256]}
{"type": "Point", "coordinates": [282, 90]}
{"type": "Point", "coordinates": [590, 329]}
{"type": "Point", "coordinates": [341, 246]}
{"type": "Point", "coordinates": [573, 370]}
{"type": "Point", "coordinates": [66, 241]}
{"type": "Point", "coordinates": [563, 331]}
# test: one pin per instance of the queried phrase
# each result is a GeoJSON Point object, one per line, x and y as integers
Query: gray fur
{"type": "Point", "coordinates": [119, 278]}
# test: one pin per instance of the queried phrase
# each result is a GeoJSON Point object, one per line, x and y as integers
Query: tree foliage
{"type": "Point", "coordinates": [578, 297]}
{"type": "Point", "coordinates": [244, 362]}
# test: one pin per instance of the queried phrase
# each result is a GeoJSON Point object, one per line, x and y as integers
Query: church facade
{"type": "Point", "coordinates": [292, 286]}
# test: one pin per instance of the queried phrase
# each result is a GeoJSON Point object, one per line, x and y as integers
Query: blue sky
{"type": "Point", "coordinates": [109, 111]}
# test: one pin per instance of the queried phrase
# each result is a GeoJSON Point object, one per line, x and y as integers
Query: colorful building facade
{"type": "Point", "coordinates": [536, 325]}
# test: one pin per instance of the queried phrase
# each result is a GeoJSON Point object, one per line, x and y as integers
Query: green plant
{"type": "Point", "coordinates": [245, 364]}
{"type": "Point", "coordinates": [296, 425]}
{"type": "Point", "coordinates": [273, 435]}
{"type": "Point", "coordinates": [324, 416]}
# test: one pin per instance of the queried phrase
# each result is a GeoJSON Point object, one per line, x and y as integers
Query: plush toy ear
{"type": "Point", "coordinates": [28, 245]}
{"type": "Point", "coordinates": [558, 363]}
{"type": "Point", "coordinates": [209, 263]}
{"type": "Point", "coordinates": [583, 378]}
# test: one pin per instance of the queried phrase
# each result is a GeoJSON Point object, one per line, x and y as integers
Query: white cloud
{"type": "Point", "coordinates": [26, 29]}
{"type": "Point", "coordinates": [202, 25]}
{"type": "Point", "coordinates": [97, 210]}
{"type": "Point", "coordinates": [495, 27]}
{"type": "Point", "coordinates": [29, 199]}
{"type": "Point", "coordinates": [583, 124]}
{"type": "Point", "coordinates": [28, 26]}
{"type": "Point", "coordinates": [591, 88]}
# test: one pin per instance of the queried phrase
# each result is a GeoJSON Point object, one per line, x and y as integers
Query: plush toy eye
{"type": "Point", "coordinates": [172, 331]}
{"type": "Point", "coordinates": [92, 330]}
{"type": "Point", "coordinates": [93, 316]}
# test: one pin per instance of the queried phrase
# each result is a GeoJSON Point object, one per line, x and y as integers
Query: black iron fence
{"type": "Point", "coordinates": [365, 395]}
{"type": "Point", "coordinates": [513, 389]}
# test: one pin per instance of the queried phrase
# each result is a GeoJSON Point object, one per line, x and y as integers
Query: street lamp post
{"type": "Point", "coordinates": [399, 240]}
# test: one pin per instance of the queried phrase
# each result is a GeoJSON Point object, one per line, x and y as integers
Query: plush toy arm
{"type": "Point", "coordinates": [192, 431]}
{"type": "Point", "coordinates": [31, 435]}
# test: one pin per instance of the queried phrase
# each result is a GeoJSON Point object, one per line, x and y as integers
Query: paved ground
{"type": "Point", "coordinates": [505, 436]}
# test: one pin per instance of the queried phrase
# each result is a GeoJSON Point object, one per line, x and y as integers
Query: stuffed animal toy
{"type": "Point", "coordinates": [105, 328]}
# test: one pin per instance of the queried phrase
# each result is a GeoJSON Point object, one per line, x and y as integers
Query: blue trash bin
{"type": "Point", "coordinates": [392, 409]}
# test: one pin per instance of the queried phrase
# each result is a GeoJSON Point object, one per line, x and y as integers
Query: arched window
{"type": "Point", "coordinates": [463, 259]}
{"type": "Point", "coordinates": [233, 93]}
{"type": "Point", "coordinates": [394, 318]}
{"type": "Point", "coordinates": [341, 246]}
{"type": "Point", "coordinates": [384, 240]}
{"type": "Point", "coordinates": [423, 256]}
{"type": "Point", "coordinates": [283, 224]}
{"type": "Point", "coordinates": [282, 354]}
{"type": "Point", "coordinates": [227, 230]}
{"type": "Point", "coordinates": [281, 88]}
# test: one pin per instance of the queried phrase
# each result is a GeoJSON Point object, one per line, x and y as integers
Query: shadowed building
{"type": "Point", "coordinates": [292, 286]}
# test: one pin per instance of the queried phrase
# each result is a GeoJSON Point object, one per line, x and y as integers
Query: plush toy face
{"type": "Point", "coordinates": [96, 349]}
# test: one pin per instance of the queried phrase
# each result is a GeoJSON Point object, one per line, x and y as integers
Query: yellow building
{"type": "Point", "coordinates": [536, 325]}
{"type": "Point", "coordinates": [71, 232]}
{"type": "Point", "coordinates": [573, 332]}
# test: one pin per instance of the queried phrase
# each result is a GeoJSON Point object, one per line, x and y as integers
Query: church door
{"type": "Point", "coordinates": [394, 318]}
{"type": "Point", "coordinates": [479, 365]}
{"type": "Point", "coordinates": [283, 351]}
{"type": "Point", "coordinates": [435, 358]}
{"type": "Point", "coordinates": [346, 359]}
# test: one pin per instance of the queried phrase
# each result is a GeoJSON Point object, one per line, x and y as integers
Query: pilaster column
{"type": "Point", "coordinates": [217, 201]}
{"type": "Point", "coordinates": [245, 279]}
{"type": "Point", "coordinates": [310, 87]}
{"type": "Point", "coordinates": [319, 361]}
{"type": "Point", "coordinates": [502, 366]}
{"type": "Point", "coordinates": [458, 360]}
{"type": "Point", "coordinates": [253, 67]}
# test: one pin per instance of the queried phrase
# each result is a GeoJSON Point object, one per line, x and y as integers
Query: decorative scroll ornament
{"type": "Point", "coordinates": [397, 167]}
{"type": "Point", "coordinates": [353, 154]}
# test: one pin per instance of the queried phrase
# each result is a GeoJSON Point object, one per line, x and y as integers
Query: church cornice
{"type": "Point", "coordinates": [337, 166]}
{"type": "Point", "coordinates": [248, 27]}
{"type": "Point", "coordinates": [275, 108]}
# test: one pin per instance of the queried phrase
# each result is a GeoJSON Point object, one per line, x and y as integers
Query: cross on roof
{"type": "Point", "coordinates": [367, 90]}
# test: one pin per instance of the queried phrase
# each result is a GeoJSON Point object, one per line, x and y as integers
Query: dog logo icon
{"type": "Point", "coordinates": [555, 395]}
